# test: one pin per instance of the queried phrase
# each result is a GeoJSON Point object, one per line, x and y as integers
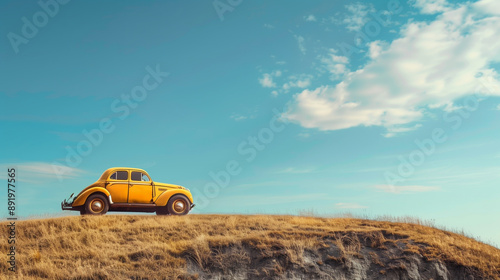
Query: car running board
{"type": "Point", "coordinates": [141, 205]}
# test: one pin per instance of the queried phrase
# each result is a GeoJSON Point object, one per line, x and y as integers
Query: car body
{"type": "Point", "coordinates": [130, 189]}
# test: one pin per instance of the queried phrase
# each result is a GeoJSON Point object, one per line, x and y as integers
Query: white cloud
{"type": "Point", "coordinates": [238, 117]}
{"type": "Point", "coordinates": [310, 18]}
{"type": "Point", "coordinates": [405, 189]}
{"type": "Point", "coordinates": [301, 81]}
{"type": "Point", "coordinates": [488, 7]}
{"type": "Point", "coordinates": [336, 65]}
{"type": "Point", "coordinates": [300, 42]}
{"type": "Point", "coordinates": [294, 81]}
{"type": "Point", "coordinates": [267, 79]}
{"type": "Point", "coordinates": [269, 26]}
{"type": "Point", "coordinates": [498, 107]}
{"type": "Point", "coordinates": [304, 135]}
{"type": "Point", "coordinates": [41, 172]}
{"type": "Point", "coordinates": [431, 65]}
{"type": "Point", "coordinates": [376, 48]}
{"type": "Point", "coordinates": [344, 205]}
{"type": "Point", "coordinates": [432, 6]}
{"type": "Point", "coordinates": [358, 16]}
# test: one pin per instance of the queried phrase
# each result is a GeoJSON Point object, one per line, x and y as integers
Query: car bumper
{"type": "Point", "coordinates": [192, 205]}
{"type": "Point", "coordinates": [67, 203]}
{"type": "Point", "coordinates": [66, 206]}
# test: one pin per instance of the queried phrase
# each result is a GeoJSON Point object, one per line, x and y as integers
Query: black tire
{"type": "Point", "coordinates": [178, 205]}
{"type": "Point", "coordinates": [96, 204]}
{"type": "Point", "coordinates": [82, 212]}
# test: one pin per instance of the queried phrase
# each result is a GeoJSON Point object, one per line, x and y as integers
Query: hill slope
{"type": "Point", "coordinates": [243, 247]}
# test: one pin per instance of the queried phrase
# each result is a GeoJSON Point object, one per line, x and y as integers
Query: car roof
{"type": "Point", "coordinates": [108, 171]}
{"type": "Point", "coordinates": [127, 168]}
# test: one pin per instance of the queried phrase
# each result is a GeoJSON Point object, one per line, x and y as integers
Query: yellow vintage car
{"type": "Point", "coordinates": [130, 189]}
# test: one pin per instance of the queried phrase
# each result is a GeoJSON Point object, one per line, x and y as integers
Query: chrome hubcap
{"type": "Point", "coordinates": [96, 206]}
{"type": "Point", "coordinates": [179, 206]}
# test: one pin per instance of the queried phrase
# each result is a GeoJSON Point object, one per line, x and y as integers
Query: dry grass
{"type": "Point", "coordinates": [164, 247]}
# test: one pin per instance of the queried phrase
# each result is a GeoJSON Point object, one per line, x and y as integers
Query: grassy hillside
{"type": "Point", "coordinates": [245, 247]}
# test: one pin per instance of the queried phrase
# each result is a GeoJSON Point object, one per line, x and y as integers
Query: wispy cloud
{"type": "Point", "coordinates": [300, 81]}
{"type": "Point", "coordinates": [310, 18]}
{"type": "Point", "coordinates": [459, 176]}
{"type": "Point", "coordinates": [265, 184]}
{"type": "Point", "coordinates": [238, 117]}
{"type": "Point", "coordinates": [300, 42]}
{"type": "Point", "coordinates": [346, 205]}
{"type": "Point", "coordinates": [41, 172]}
{"type": "Point", "coordinates": [396, 130]}
{"type": "Point", "coordinates": [432, 6]}
{"type": "Point", "coordinates": [335, 64]}
{"type": "Point", "coordinates": [267, 79]}
{"type": "Point", "coordinates": [405, 189]}
{"type": "Point", "coordinates": [293, 170]}
{"type": "Point", "coordinates": [357, 16]}
{"type": "Point", "coordinates": [293, 81]}
{"type": "Point", "coordinates": [249, 114]}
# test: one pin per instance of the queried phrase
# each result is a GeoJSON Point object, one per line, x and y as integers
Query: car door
{"type": "Point", "coordinates": [117, 185]}
{"type": "Point", "coordinates": [140, 188]}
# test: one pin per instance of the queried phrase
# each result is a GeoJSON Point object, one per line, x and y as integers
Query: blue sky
{"type": "Point", "coordinates": [386, 108]}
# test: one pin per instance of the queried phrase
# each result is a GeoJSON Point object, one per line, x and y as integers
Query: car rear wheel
{"type": "Point", "coordinates": [178, 205]}
{"type": "Point", "coordinates": [96, 204]}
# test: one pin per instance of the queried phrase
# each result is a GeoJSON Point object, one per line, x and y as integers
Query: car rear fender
{"type": "Point", "coordinates": [162, 200]}
{"type": "Point", "coordinates": [80, 200]}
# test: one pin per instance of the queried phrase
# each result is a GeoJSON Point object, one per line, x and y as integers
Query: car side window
{"type": "Point", "coordinates": [139, 176]}
{"type": "Point", "coordinates": [119, 175]}
{"type": "Point", "coordinates": [136, 176]}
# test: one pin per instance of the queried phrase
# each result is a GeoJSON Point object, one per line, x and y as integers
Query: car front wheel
{"type": "Point", "coordinates": [178, 205]}
{"type": "Point", "coordinates": [96, 204]}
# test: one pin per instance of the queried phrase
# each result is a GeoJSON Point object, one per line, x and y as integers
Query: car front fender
{"type": "Point", "coordinates": [81, 198]}
{"type": "Point", "coordinates": [162, 200]}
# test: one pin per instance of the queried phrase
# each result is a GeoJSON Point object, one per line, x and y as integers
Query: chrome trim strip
{"type": "Point", "coordinates": [110, 200]}
{"type": "Point", "coordinates": [113, 183]}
